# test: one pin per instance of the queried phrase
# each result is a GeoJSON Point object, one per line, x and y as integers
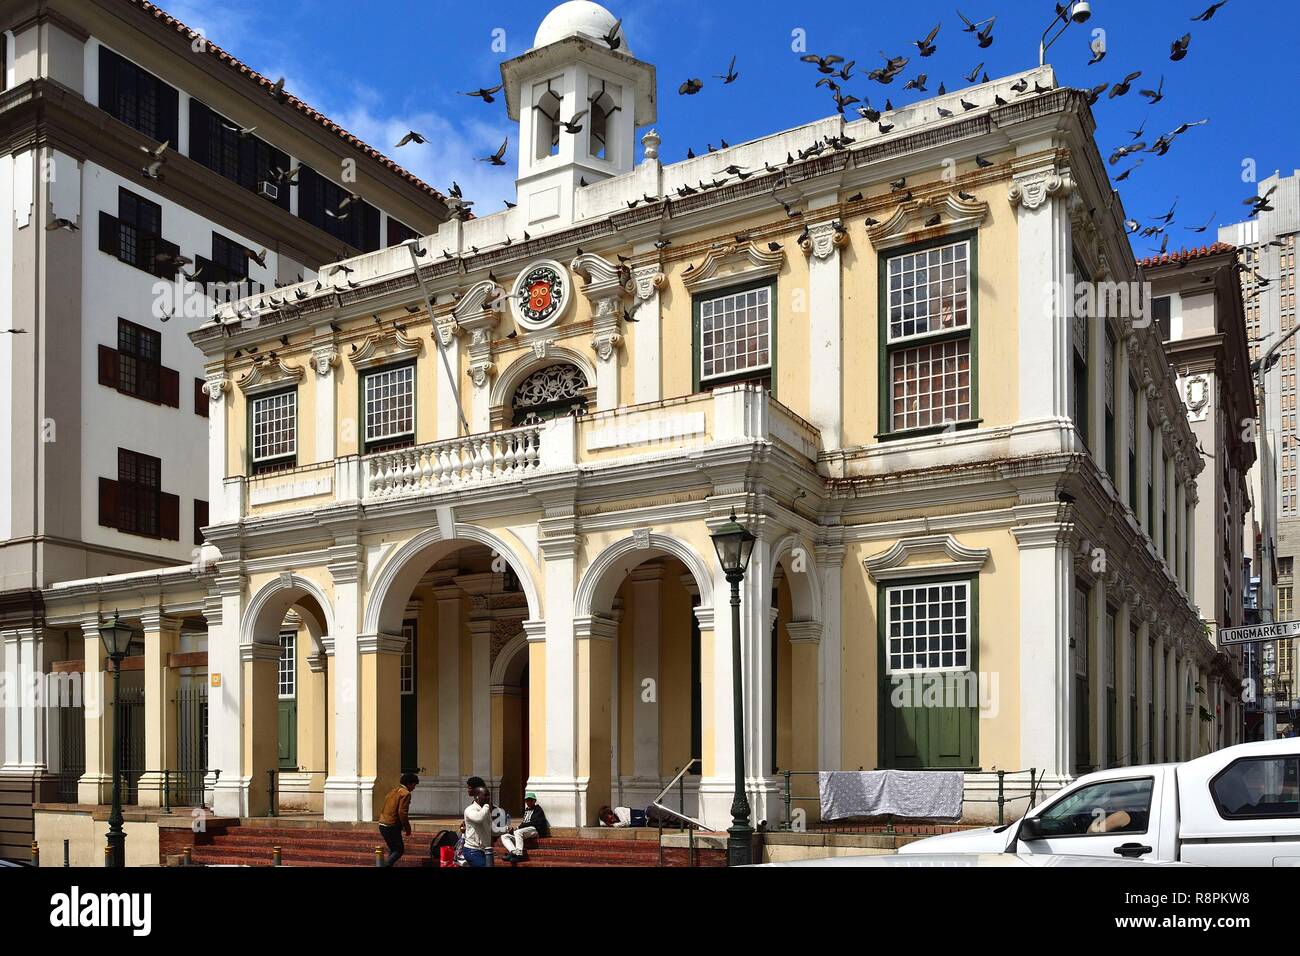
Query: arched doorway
{"type": "Point", "coordinates": [452, 684]}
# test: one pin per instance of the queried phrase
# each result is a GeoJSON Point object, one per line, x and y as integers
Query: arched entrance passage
{"type": "Point", "coordinates": [793, 691]}
{"type": "Point", "coordinates": [442, 611]}
{"type": "Point", "coordinates": [286, 705]}
{"type": "Point", "coordinates": [510, 737]}
{"type": "Point", "coordinates": [647, 660]}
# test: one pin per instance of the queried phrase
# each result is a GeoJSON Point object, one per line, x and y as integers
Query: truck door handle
{"type": "Point", "coordinates": [1132, 850]}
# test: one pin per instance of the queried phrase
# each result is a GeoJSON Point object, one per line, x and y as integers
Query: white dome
{"type": "Point", "coordinates": [574, 18]}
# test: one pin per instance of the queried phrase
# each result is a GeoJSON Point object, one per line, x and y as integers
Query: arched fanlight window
{"type": "Point", "coordinates": [548, 124]}
{"type": "Point", "coordinates": [549, 393]}
{"type": "Point", "coordinates": [602, 121]}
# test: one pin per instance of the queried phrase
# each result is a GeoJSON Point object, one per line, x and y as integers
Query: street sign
{"type": "Point", "coordinates": [1278, 631]}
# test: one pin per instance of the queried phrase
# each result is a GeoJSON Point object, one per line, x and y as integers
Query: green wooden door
{"type": "Point", "coordinates": [410, 749]}
{"type": "Point", "coordinates": [928, 640]}
{"type": "Point", "coordinates": [1082, 706]}
{"type": "Point", "coordinates": [287, 705]}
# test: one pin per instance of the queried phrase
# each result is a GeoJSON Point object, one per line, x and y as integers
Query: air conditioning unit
{"type": "Point", "coordinates": [269, 190]}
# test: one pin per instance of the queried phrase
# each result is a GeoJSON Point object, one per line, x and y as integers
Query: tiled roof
{"type": "Point", "coordinates": [1186, 255]}
{"type": "Point", "coordinates": [212, 49]}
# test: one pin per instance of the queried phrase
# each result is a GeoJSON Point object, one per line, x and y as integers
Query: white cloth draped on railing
{"type": "Point", "coordinates": [921, 794]}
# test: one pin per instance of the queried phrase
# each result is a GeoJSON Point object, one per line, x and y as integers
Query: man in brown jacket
{"type": "Point", "coordinates": [395, 819]}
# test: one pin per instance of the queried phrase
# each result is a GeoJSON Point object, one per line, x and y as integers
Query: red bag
{"type": "Point", "coordinates": [446, 856]}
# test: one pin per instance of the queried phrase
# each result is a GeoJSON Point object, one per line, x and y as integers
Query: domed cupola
{"type": "Point", "coordinates": [572, 69]}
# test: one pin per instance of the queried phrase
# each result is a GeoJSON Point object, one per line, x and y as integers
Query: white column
{"type": "Point", "coordinates": [1158, 491]}
{"type": "Point", "coordinates": [559, 788]}
{"type": "Point", "coordinates": [1097, 666]}
{"type": "Point", "coordinates": [717, 788]}
{"type": "Point", "coordinates": [1123, 417]}
{"type": "Point", "coordinates": [1174, 692]}
{"type": "Point", "coordinates": [1143, 456]}
{"type": "Point", "coordinates": [646, 342]}
{"type": "Point", "coordinates": [215, 387]}
{"type": "Point", "coordinates": [447, 397]}
{"type": "Point", "coordinates": [24, 669]}
{"type": "Point", "coordinates": [348, 796]}
{"type": "Point", "coordinates": [646, 623]}
{"type": "Point", "coordinates": [225, 699]}
{"type": "Point", "coordinates": [1124, 684]}
{"type": "Point", "coordinates": [830, 568]}
{"type": "Point", "coordinates": [1143, 639]}
{"type": "Point", "coordinates": [1160, 671]}
{"type": "Point", "coordinates": [325, 359]}
{"type": "Point", "coordinates": [449, 793]}
{"type": "Point", "coordinates": [1046, 674]}
{"type": "Point", "coordinates": [1044, 255]}
{"type": "Point", "coordinates": [825, 331]}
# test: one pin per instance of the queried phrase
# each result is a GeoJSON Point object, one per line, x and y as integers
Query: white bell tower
{"type": "Point", "coordinates": [571, 69]}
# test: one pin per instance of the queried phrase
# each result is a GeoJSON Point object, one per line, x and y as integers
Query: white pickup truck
{"type": "Point", "coordinates": [1235, 807]}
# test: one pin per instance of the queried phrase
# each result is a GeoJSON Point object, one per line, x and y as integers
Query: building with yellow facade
{"type": "Point", "coordinates": [462, 489]}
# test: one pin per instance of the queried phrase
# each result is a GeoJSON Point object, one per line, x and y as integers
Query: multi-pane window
{"type": "Point", "coordinates": [1112, 448]}
{"type": "Point", "coordinates": [390, 406]}
{"type": "Point", "coordinates": [138, 357]}
{"type": "Point", "coordinates": [1132, 447]}
{"type": "Point", "coordinates": [928, 324]}
{"type": "Point", "coordinates": [735, 334]}
{"type": "Point", "coordinates": [1160, 314]}
{"type": "Point", "coordinates": [275, 430]}
{"type": "Point", "coordinates": [928, 627]}
{"type": "Point", "coordinates": [241, 157]}
{"type": "Point", "coordinates": [321, 203]}
{"type": "Point", "coordinates": [1079, 364]}
{"type": "Point", "coordinates": [288, 670]}
{"type": "Point", "coordinates": [138, 488]}
{"type": "Point", "coordinates": [134, 236]}
{"type": "Point", "coordinates": [406, 668]}
{"type": "Point", "coordinates": [137, 98]}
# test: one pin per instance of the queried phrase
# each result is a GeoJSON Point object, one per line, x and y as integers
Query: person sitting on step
{"type": "Point", "coordinates": [534, 824]}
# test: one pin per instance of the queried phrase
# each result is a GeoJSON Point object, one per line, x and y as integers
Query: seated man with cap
{"type": "Point", "coordinates": [534, 824]}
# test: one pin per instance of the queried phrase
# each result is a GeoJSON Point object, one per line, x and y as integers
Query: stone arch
{"type": "Point", "coordinates": [511, 661]}
{"type": "Point", "coordinates": [805, 586]}
{"type": "Point", "coordinates": [596, 590]}
{"type": "Point", "coordinates": [267, 608]}
{"type": "Point", "coordinates": [503, 389]}
{"type": "Point", "coordinates": [387, 597]}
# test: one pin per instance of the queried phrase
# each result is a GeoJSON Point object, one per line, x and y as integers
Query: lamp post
{"type": "Point", "coordinates": [1077, 12]}
{"type": "Point", "coordinates": [734, 545]}
{"type": "Point", "coordinates": [116, 637]}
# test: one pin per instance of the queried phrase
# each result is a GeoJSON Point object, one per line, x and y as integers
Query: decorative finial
{"type": "Point", "coordinates": [650, 141]}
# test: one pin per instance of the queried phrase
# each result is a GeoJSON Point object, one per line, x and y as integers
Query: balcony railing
{"type": "Point", "coordinates": [689, 425]}
{"type": "Point", "coordinates": [453, 461]}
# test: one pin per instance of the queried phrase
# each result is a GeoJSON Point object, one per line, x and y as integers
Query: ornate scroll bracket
{"type": "Point", "coordinates": [324, 360]}
{"type": "Point", "coordinates": [1031, 190]}
{"type": "Point", "coordinates": [605, 285]}
{"type": "Point", "coordinates": [825, 238]}
{"type": "Point", "coordinates": [375, 349]}
{"type": "Point", "coordinates": [216, 386]}
{"type": "Point", "coordinates": [734, 261]}
{"type": "Point", "coordinates": [647, 281]}
{"type": "Point", "coordinates": [268, 374]}
{"type": "Point", "coordinates": [954, 214]}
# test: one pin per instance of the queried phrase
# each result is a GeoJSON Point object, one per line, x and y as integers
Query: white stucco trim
{"type": "Point", "coordinates": [652, 544]}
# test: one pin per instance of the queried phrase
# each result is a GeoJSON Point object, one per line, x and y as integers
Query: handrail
{"type": "Point", "coordinates": [662, 793]}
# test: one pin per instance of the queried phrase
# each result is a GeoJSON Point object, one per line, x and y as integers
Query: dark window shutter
{"type": "Point", "coordinates": [110, 235]}
{"type": "Point", "coordinates": [169, 387]}
{"type": "Point", "coordinates": [108, 80]}
{"type": "Point", "coordinates": [370, 228]}
{"type": "Point", "coordinates": [200, 133]}
{"type": "Point", "coordinates": [200, 519]}
{"type": "Point", "coordinates": [107, 366]}
{"type": "Point", "coordinates": [169, 516]}
{"type": "Point", "coordinates": [309, 195]}
{"type": "Point", "coordinates": [108, 502]}
{"type": "Point", "coordinates": [168, 115]}
{"type": "Point", "coordinates": [200, 399]}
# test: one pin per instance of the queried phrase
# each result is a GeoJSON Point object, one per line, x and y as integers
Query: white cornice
{"type": "Point", "coordinates": [956, 558]}
{"type": "Point", "coordinates": [748, 261]}
{"type": "Point", "coordinates": [955, 215]}
{"type": "Point", "coordinates": [374, 351]}
{"type": "Point", "coordinates": [268, 374]}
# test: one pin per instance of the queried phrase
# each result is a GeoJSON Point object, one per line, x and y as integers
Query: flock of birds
{"type": "Point", "coordinates": [834, 73]}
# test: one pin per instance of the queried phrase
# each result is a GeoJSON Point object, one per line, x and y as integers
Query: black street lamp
{"type": "Point", "coordinates": [734, 545]}
{"type": "Point", "coordinates": [117, 638]}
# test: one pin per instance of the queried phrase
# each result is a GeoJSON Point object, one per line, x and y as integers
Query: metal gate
{"type": "Point", "coordinates": [191, 744]}
{"type": "Point", "coordinates": [131, 727]}
{"type": "Point", "coordinates": [72, 752]}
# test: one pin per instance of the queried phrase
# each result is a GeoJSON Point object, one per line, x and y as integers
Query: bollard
{"type": "Point", "coordinates": [36, 854]}
{"type": "Point", "coordinates": [275, 856]}
{"type": "Point", "coordinates": [379, 856]}
{"type": "Point", "coordinates": [188, 857]}
{"type": "Point", "coordinates": [1002, 797]}
{"type": "Point", "coordinates": [66, 861]}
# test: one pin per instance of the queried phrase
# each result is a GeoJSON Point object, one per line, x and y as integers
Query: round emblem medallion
{"type": "Point", "coordinates": [541, 295]}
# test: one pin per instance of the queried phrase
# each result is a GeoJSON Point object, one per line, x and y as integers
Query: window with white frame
{"type": "Point", "coordinates": [390, 406]}
{"type": "Point", "coordinates": [288, 673]}
{"type": "Point", "coordinates": [928, 326]}
{"type": "Point", "coordinates": [275, 430]}
{"type": "Point", "coordinates": [928, 627]}
{"type": "Point", "coordinates": [735, 334]}
{"type": "Point", "coordinates": [406, 669]}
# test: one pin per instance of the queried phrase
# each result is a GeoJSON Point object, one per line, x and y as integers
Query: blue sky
{"type": "Point", "coordinates": [385, 66]}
